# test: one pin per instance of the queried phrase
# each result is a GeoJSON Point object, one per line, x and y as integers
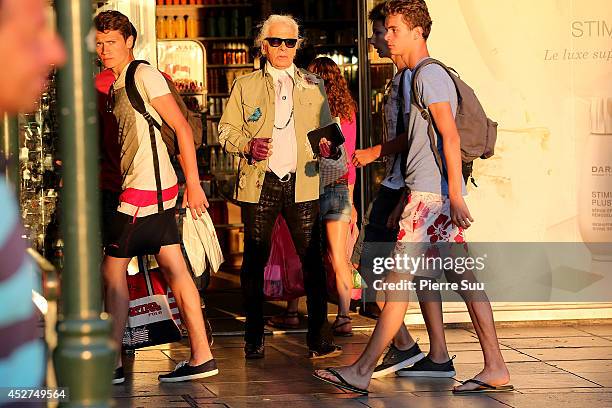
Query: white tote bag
{"type": "Point", "coordinates": [201, 244]}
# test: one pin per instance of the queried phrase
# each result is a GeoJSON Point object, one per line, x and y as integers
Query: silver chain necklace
{"type": "Point", "coordinates": [286, 124]}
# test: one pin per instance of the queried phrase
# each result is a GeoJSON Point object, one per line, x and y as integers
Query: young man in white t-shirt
{"type": "Point", "coordinates": [144, 224]}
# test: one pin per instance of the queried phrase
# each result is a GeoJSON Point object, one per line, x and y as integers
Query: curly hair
{"type": "Point", "coordinates": [341, 102]}
{"type": "Point", "coordinates": [112, 20]}
{"type": "Point", "coordinates": [413, 12]}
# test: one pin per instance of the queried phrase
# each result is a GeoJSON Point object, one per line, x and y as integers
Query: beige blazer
{"type": "Point", "coordinates": [250, 113]}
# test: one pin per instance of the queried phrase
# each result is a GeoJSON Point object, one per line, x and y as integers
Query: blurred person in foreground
{"type": "Point", "coordinates": [29, 48]}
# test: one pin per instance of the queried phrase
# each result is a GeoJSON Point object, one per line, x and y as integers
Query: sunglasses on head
{"type": "Point", "coordinates": [276, 42]}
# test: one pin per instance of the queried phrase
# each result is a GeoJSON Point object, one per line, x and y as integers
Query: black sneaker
{"type": "Point", "coordinates": [186, 372]}
{"type": "Point", "coordinates": [118, 377]}
{"type": "Point", "coordinates": [396, 359]}
{"type": "Point", "coordinates": [427, 368]}
{"type": "Point", "coordinates": [254, 351]}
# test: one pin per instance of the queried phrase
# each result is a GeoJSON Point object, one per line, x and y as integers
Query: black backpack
{"type": "Point", "coordinates": [169, 137]}
{"type": "Point", "coordinates": [168, 134]}
{"type": "Point", "coordinates": [478, 133]}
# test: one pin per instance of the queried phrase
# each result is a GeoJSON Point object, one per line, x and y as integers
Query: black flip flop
{"type": "Point", "coordinates": [343, 384]}
{"type": "Point", "coordinates": [483, 388]}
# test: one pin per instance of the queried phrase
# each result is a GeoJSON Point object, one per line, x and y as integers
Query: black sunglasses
{"type": "Point", "coordinates": [276, 42]}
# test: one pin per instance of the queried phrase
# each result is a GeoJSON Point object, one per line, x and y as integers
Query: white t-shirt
{"type": "Point", "coordinates": [139, 197]}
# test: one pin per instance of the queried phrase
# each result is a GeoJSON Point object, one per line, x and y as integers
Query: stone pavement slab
{"type": "Point", "coordinates": [580, 353]}
{"type": "Point", "coordinates": [557, 399]}
{"type": "Point", "coordinates": [240, 389]}
{"type": "Point", "coordinates": [171, 401]}
{"type": "Point", "coordinates": [516, 368]}
{"type": "Point", "coordinates": [510, 356]}
{"type": "Point", "coordinates": [392, 384]}
{"type": "Point", "coordinates": [584, 366]}
{"type": "Point", "coordinates": [599, 330]}
{"type": "Point", "coordinates": [547, 381]}
{"type": "Point", "coordinates": [149, 366]}
{"type": "Point", "coordinates": [549, 331]}
{"type": "Point", "coordinates": [452, 336]}
{"type": "Point", "coordinates": [588, 390]}
{"type": "Point", "coordinates": [603, 379]}
{"type": "Point", "coordinates": [437, 401]}
{"type": "Point", "coordinates": [551, 342]}
{"type": "Point", "coordinates": [302, 403]}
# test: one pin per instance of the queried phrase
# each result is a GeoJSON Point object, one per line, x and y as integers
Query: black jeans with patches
{"type": "Point", "coordinates": [278, 197]}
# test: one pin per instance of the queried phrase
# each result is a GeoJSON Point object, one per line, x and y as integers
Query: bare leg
{"type": "Point", "coordinates": [117, 297]}
{"type": "Point", "coordinates": [337, 233]}
{"type": "Point", "coordinates": [391, 318]}
{"type": "Point", "coordinates": [495, 371]}
{"type": "Point", "coordinates": [292, 305]}
{"type": "Point", "coordinates": [289, 318]}
{"type": "Point", "coordinates": [432, 314]}
{"type": "Point", "coordinates": [431, 308]}
{"type": "Point", "coordinates": [402, 339]}
{"type": "Point", "coordinates": [172, 265]}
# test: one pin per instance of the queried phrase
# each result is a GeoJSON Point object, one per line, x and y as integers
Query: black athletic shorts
{"type": "Point", "coordinates": [133, 236]}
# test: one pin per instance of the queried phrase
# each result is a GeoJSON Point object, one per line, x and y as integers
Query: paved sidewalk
{"type": "Point", "coordinates": [550, 367]}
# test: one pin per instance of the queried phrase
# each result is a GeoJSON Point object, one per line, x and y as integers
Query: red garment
{"type": "Point", "coordinates": [349, 130]}
{"type": "Point", "coordinates": [110, 151]}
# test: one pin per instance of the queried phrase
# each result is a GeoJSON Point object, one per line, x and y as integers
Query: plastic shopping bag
{"type": "Point", "coordinates": [283, 276]}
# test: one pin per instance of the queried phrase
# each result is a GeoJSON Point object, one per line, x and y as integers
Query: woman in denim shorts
{"type": "Point", "coordinates": [336, 201]}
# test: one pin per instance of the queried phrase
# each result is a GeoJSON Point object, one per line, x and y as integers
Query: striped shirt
{"type": "Point", "coordinates": [22, 352]}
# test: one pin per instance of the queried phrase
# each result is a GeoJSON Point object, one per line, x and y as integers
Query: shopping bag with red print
{"type": "Point", "coordinates": [283, 277]}
{"type": "Point", "coordinates": [150, 320]}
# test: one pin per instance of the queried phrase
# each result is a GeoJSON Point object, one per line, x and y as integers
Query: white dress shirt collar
{"type": "Point", "coordinates": [276, 73]}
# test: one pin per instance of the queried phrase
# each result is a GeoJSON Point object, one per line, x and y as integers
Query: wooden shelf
{"type": "Point", "coordinates": [213, 117]}
{"type": "Point", "coordinates": [174, 7]}
{"type": "Point", "coordinates": [219, 94]}
{"type": "Point", "coordinates": [210, 39]}
{"type": "Point", "coordinates": [192, 93]}
{"type": "Point", "coordinates": [330, 21]}
{"type": "Point", "coordinates": [229, 66]}
{"type": "Point", "coordinates": [335, 45]}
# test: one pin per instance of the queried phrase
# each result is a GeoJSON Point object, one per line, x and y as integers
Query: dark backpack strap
{"type": "Point", "coordinates": [424, 111]}
{"type": "Point", "coordinates": [138, 104]}
{"type": "Point", "coordinates": [132, 91]}
{"type": "Point", "coordinates": [400, 126]}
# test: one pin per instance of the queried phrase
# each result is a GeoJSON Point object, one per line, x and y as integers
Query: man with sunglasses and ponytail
{"type": "Point", "coordinates": [265, 124]}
